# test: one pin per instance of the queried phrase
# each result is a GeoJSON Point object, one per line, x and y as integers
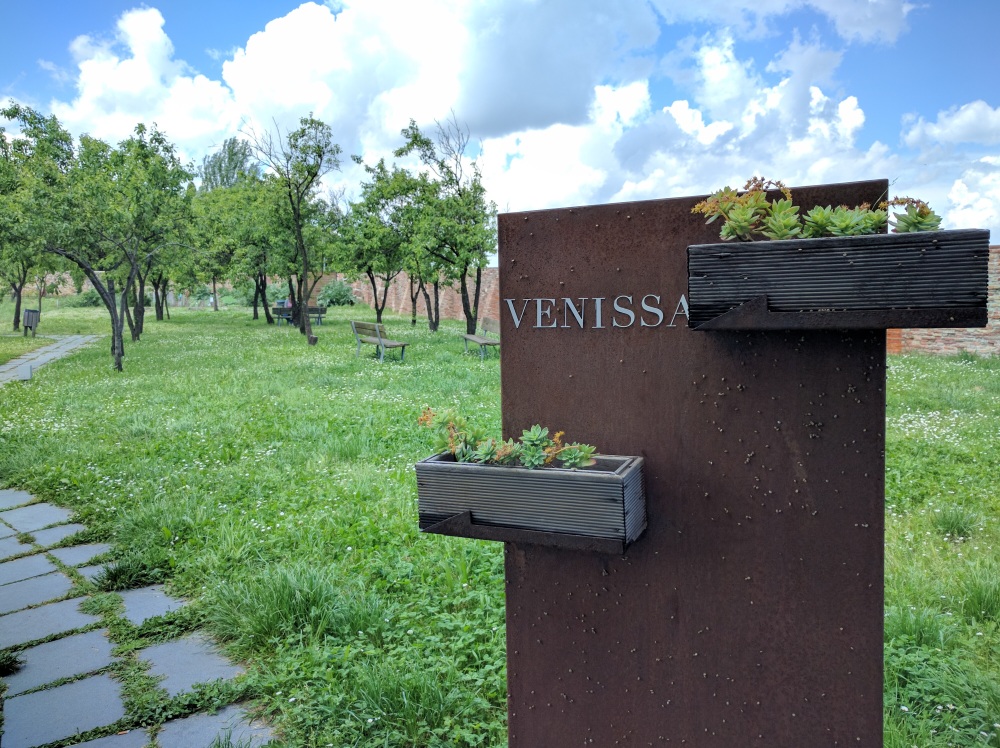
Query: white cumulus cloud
{"type": "Point", "coordinates": [976, 122]}
{"type": "Point", "coordinates": [135, 78]}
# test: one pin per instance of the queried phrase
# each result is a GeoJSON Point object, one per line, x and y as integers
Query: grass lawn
{"type": "Point", "coordinates": [12, 346]}
{"type": "Point", "coordinates": [272, 484]}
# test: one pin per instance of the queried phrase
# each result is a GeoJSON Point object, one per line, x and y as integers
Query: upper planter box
{"type": "Point", "coordinates": [599, 508]}
{"type": "Point", "coordinates": [919, 279]}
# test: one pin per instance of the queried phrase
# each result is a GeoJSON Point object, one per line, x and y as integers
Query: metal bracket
{"type": "Point", "coordinates": [461, 525]}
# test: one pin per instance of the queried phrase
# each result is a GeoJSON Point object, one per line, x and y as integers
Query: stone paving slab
{"type": "Point", "coordinates": [186, 662]}
{"type": "Point", "coordinates": [55, 534]}
{"type": "Point", "coordinates": [199, 730]}
{"type": "Point", "coordinates": [13, 370]}
{"type": "Point", "coordinates": [38, 623]}
{"type": "Point", "coordinates": [6, 531]}
{"type": "Point", "coordinates": [77, 555]}
{"type": "Point", "coordinates": [148, 602]}
{"type": "Point", "coordinates": [25, 568]}
{"type": "Point", "coordinates": [10, 498]}
{"type": "Point", "coordinates": [62, 658]}
{"type": "Point", "coordinates": [35, 517]}
{"type": "Point", "coordinates": [90, 572]}
{"type": "Point", "coordinates": [58, 713]}
{"type": "Point", "coordinates": [131, 739]}
{"type": "Point", "coordinates": [28, 592]}
{"type": "Point", "coordinates": [11, 546]}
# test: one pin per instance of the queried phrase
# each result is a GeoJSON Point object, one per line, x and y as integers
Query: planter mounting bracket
{"type": "Point", "coordinates": [461, 525]}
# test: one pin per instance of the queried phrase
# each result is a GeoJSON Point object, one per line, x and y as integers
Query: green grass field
{"type": "Point", "coordinates": [272, 484]}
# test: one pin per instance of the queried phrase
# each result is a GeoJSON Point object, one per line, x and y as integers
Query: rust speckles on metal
{"type": "Point", "coordinates": [682, 588]}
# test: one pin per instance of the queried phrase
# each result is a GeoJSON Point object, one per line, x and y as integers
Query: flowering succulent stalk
{"type": "Point", "coordinates": [918, 216]}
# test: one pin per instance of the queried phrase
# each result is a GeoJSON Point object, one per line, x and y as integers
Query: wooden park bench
{"type": "Point", "coordinates": [282, 314]}
{"type": "Point", "coordinates": [374, 333]}
{"type": "Point", "coordinates": [490, 327]}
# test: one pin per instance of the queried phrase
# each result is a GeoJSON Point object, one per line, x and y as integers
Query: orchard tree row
{"type": "Point", "coordinates": [133, 219]}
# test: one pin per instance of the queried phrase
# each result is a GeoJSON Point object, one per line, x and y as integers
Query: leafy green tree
{"type": "Point", "coordinates": [227, 167]}
{"type": "Point", "coordinates": [298, 162]}
{"type": "Point", "coordinates": [106, 210]}
{"type": "Point", "coordinates": [461, 232]}
{"type": "Point", "coordinates": [375, 234]}
{"type": "Point", "coordinates": [22, 182]}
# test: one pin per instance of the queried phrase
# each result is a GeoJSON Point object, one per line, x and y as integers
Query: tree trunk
{"type": "Point", "coordinates": [215, 296]}
{"type": "Point", "coordinates": [378, 307]}
{"type": "Point", "coordinates": [261, 282]}
{"type": "Point", "coordinates": [433, 308]}
{"type": "Point", "coordinates": [415, 289]}
{"type": "Point", "coordinates": [470, 306]}
{"type": "Point", "coordinates": [107, 294]}
{"type": "Point", "coordinates": [20, 280]}
{"type": "Point", "coordinates": [140, 306]}
{"type": "Point", "coordinates": [17, 306]}
{"type": "Point", "coordinates": [117, 324]}
{"type": "Point", "coordinates": [256, 299]}
{"type": "Point", "coordinates": [159, 298]}
{"type": "Point", "coordinates": [303, 318]}
{"type": "Point", "coordinates": [129, 319]}
{"type": "Point", "coordinates": [292, 302]}
{"type": "Point", "coordinates": [300, 243]}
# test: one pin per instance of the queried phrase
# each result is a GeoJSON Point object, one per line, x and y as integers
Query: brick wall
{"type": "Point", "coordinates": [451, 301]}
{"type": "Point", "coordinates": [979, 340]}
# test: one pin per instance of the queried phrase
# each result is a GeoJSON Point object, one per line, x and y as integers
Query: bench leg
{"type": "Point", "coordinates": [381, 353]}
{"type": "Point", "coordinates": [482, 352]}
{"type": "Point", "coordinates": [402, 354]}
{"type": "Point", "coordinates": [356, 355]}
{"type": "Point", "coordinates": [466, 341]}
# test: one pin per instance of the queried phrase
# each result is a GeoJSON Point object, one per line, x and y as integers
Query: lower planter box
{"type": "Point", "coordinates": [601, 508]}
{"type": "Point", "coordinates": [920, 279]}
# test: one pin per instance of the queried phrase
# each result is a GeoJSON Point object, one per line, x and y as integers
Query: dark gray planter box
{"type": "Point", "coordinates": [880, 281]}
{"type": "Point", "coordinates": [600, 508]}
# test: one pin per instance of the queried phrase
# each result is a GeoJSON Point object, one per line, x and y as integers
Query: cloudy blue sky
{"type": "Point", "coordinates": [569, 101]}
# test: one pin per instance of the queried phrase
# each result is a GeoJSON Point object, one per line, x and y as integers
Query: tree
{"type": "Point", "coordinates": [298, 162]}
{"type": "Point", "coordinates": [375, 235]}
{"type": "Point", "coordinates": [461, 232]}
{"type": "Point", "coordinates": [107, 210]}
{"type": "Point", "coordinates": [227, 167]}
{"type": "Point", "coordinates": [20, 185]}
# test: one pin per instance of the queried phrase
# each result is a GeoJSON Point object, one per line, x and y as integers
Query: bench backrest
{"type": "Point", "coordinates": [491, 326]}
{"type": "Point", "coordinates": [317, 310]}
{"type": "Point", "coordinates": [368, 329]}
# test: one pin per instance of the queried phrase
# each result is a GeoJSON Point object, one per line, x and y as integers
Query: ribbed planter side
{"type": "Point", "coordinates": [865, 280]}
{"type": "Point", "coordinates": [604, 501]}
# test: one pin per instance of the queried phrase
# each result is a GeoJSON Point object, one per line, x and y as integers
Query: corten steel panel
{"type": "Point", "coordinates": [750, 613]}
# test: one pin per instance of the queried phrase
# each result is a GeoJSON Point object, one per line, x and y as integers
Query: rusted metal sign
{"type": "Point", "coordinates": [750, 613]}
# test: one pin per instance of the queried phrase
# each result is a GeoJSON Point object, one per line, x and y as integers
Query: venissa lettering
{"type": "Point", "coordinates": [596, 312]}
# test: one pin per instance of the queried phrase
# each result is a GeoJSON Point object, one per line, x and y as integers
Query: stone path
{"type": "Point", "coordinates": [64, 688]}
{"type": "Point", "coordinates": [21, 367]}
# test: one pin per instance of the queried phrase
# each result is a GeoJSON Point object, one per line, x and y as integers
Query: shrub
{"type": "Point", "coordinates": [89, 298]}
{"type": "Point", "coordinates": [336, 293]}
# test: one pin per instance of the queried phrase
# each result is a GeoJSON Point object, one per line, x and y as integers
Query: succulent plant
{"type": "Point", "coordinates": [535, 448]}
{"type": "Point", "coordinates": [750, 212]}
{"type": "Point", "coordinates": [918, 216]}
{"type": "Point", "coordinates": [783, 221]}
{"type": "Point", "coordinates": [817, 222]}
